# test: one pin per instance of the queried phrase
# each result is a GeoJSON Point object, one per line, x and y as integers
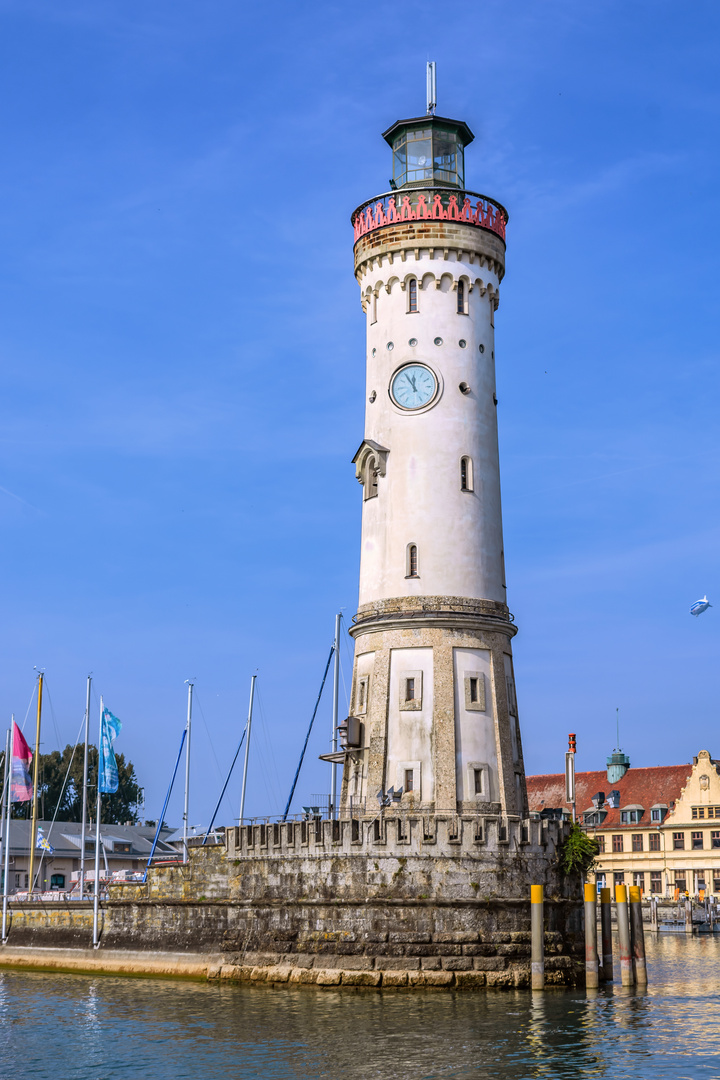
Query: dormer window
{"type": "Point", "coordinates": [631, 815]}
{"type": "Point", "coordinates": [657, 813]}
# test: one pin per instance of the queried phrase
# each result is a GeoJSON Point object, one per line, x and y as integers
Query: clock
{"type": "Point", "coordinates": [413, 386]}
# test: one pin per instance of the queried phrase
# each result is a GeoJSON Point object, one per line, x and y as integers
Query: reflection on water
{"type": "Point", "coordinates": [74, 1026]}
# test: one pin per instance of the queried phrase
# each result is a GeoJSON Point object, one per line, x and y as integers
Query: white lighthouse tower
{"type": "Point", "coordinates": [433, 688]}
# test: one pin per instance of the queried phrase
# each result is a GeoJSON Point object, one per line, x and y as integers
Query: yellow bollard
{"type": "Point", "coordinates": [537, 933]}
{"type": "Point", "coordinates": [591, 953]}
{"type": "Point", "coordinates": [626, 970]}
{"type": "Point", "coordinates": [606, 928]}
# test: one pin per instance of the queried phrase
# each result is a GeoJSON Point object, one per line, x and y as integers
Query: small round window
{"type": "Point", "coordinates": [481, 348]}
{"type": "Point", "coordinates": [390, 346]}
{"type": "Point", "coordinates": [462, 343]}
{"type": "Point", "coordinates": [413, 342]}
{"type": "Point", "coordinates": [374, 352]}
{"type": "Point", "coordinates": [438, 341]}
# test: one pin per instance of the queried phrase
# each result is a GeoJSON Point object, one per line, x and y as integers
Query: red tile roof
{"type": "Point", "coordinates": [638, 787]}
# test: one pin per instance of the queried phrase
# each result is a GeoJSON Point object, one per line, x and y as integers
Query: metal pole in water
{"type": "Point", "coordinates": [626, 971]}
{"type": "Point", "coordinates": [688, 916]}
{"type": "Point", "coordinates": [591, 952]}
{"type": "Point", "coordinates": [537, 934]}
{"type": "Point", "coordinates": [606, 931]}
{"type": "Point", "coordinates": [638, 936]}
{"type": "Point", "coordinates": [654, 913]}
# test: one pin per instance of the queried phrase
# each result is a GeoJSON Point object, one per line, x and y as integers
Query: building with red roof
{"type": "Point", "coordinates": [658, 827]}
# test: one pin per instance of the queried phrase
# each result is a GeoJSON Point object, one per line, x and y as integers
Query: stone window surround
{"type": "Point", "coordinates": [481, 704]}
{"type": "Point", "coordinates": [362, 692]}
{"type": "Point", "coordinates": [415, 703]}
{"type": "Point", "coordinates": [415, 767]}
{"type": "Point", "coordinates": [484, 794]}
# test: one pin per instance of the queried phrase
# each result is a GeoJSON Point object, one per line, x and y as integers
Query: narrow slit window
{"type": "Point", "coordinates": [361, 695]}
{"type": "Point", "coordinates": [409, 689]}
{"type": "Point", "coordinates": [412, 561]}
{"type": "Point", "coordinates": [409, 777]}
{"type": "Point", "coordinates": [478, 778]}
{"type": "Point", "coordinates": [461, 298]}
{"type": "Point", "coordinates": [373, 309]}
{"type": "Point", "coordinates": [474, 693]}
{"type": "Point", "coordinates": [412, 295]}
{"type": "Point", "coordinates": [466, 476]}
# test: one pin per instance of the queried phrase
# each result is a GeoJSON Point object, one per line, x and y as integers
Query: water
{"type": "Point", "coordinates": [68, 1027]}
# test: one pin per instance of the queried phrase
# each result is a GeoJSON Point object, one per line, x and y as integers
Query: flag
{"type": "Point", "coordinates": [21, 789]}
{"type": "Point", "coordinates": [44, 843]}
{"type": "Point", "coordinates": [108, 774]}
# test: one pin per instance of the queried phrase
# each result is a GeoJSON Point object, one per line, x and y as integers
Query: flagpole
{"type": "Point", "coordinates": [5, 795]}
{"type": "Point", "coordinates": [247, 747]}
{"type": "Point", "coordinates": [186, 809]}
{"type": "Point", "coordinates": [84, 792]}
{"type": "Point", "coordinates": [6, 853]}
{"type": "Point", "coordinates": [36, 762]}
{"type": "Point", "coordinates": [96, 890]}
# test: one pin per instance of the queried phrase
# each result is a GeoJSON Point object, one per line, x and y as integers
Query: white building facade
{"type": "Point", "coordinates": [433, 685]}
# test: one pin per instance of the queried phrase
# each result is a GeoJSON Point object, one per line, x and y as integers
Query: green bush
{"type": "Point", "coordinates": [578, 851]}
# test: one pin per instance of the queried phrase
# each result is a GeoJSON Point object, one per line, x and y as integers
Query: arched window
{"type": "Point", "coordinates": [370, 483]}
{"type": "Point", "coordinates": [412, 295]}
{"type": "Point", "coordinates": [412, 561]}
{"type": "Point", "coordinates": [466, 474]}
{"type": "Point", "coordinates": [461, 298]}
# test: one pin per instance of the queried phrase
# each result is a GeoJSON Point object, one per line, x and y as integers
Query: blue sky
{"type": "Point", "coordinates": [182, 349]}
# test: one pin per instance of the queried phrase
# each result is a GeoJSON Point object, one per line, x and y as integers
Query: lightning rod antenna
{"type": "Point", "coordinates": [431, 87]}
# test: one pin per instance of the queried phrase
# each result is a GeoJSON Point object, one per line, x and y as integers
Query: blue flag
{"type": "Point", "coordinates": [108, 774]}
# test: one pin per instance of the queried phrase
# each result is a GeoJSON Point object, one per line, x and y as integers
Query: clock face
{"type": "Point", "coordinates": [413, 386]}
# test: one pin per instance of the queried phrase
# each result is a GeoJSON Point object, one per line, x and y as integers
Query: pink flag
{"type": "Point", "coordinates": [20, 782]}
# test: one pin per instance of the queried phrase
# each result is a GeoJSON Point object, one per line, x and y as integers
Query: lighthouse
{"type": "Point", "coordinates": [433, 710]}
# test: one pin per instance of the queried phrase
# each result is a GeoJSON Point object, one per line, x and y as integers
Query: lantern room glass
{"type": "Point", "coordinates": [428, 155]}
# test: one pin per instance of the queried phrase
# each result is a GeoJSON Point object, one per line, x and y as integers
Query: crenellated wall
{"type": "Point", "coordinates": [419, 901]}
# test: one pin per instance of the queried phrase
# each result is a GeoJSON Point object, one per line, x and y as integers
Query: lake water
{"type": "Point", "coordinates": [73, 1026]}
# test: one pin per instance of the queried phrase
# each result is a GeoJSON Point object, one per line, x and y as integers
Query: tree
{"type": "Point", "coordinates": [52, 769]}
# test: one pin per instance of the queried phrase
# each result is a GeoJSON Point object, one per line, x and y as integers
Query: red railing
{"type": "Point", "coordinates": [429, 204]}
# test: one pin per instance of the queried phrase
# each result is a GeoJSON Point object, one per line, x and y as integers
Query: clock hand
{"type": "Point", "coordinates": [412, 383]}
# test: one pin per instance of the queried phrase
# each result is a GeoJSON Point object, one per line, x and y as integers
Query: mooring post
{"type": "Point", "coordinates": [606, 930]}
{"type": "Point", "coordinates": [654, 914]}
{"type": "Point", "coordinates": [537, 933]}
{"type": "Point", "coordinates": [623, 922]}
{"type": "Point", "coordinates": [591, 951]}
{"type": "Point", "coordinates": [638, 936]}
{"type": "Point", "coordinates": [688, 917]}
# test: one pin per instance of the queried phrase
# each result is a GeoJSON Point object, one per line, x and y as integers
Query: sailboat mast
{"type": "Point", "coordinates": [186, 805]}
{"type": "Point", "coordinates": [84, 792]}
{"type": "Point", "coordinates": [335, 706]}
{"type": "Point", "coordinates": [98, 811]}
{"type": "Point", "coordinates": [247, 748]}
{"type": "Point", "coordinates": [36, 763]}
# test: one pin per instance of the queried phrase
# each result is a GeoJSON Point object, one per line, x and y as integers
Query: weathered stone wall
{"type": "Point", "coordinates": [449, 911]}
